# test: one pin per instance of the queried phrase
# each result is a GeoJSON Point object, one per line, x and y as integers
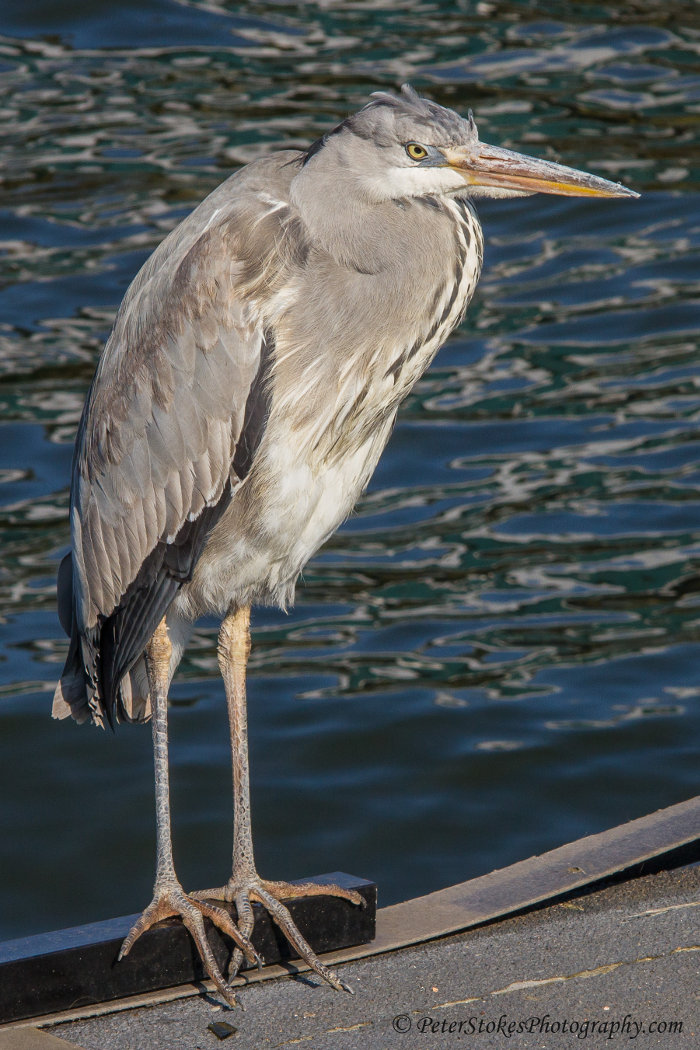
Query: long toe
{"type": "Point", "coordinates": [294, 890]}
{"type": "Point", "coordinates": [281, 916]}
{"type": "Point", "coordinates": [217, 893]}
{"type": "Point", "coordinates": [173, 901]}
{"type": "Point", "coordinates": [246, 921]}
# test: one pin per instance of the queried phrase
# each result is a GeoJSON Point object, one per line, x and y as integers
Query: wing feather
{"type": "Point", "coordinates": [153, 465]}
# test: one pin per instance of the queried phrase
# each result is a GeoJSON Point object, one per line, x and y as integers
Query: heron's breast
{"type": "Point", "coordinates": [308, 495]}
{"type": "Point", "coordinates": [289, 505]}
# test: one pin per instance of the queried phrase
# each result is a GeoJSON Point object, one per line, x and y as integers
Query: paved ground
{"type": "Point", "coordinates": [620, 966]}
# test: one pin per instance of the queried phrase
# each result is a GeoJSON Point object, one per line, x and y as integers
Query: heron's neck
{"type": "Point", "coordinates": [341, 221]}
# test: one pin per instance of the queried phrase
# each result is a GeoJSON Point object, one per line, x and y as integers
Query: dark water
{"type": "Point", "coordinates": [499, 651]}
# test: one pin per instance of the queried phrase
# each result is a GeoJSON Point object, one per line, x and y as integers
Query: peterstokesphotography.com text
{"type": "Point", "coordinates": [608, 1028]}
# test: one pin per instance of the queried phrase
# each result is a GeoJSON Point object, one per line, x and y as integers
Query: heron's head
{"type": "Point", "coordinates": [407, 146]}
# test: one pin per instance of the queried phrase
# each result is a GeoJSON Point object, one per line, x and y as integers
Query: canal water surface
{"type": "Point", "coordinates": [498, 652]}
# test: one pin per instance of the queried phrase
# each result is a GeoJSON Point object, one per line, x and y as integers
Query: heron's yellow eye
{"type": "Point", "coordinates": [416, 151]}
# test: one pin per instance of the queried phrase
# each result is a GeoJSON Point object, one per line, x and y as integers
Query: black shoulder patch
{"type": "Point", "coordinates": [317, 146]}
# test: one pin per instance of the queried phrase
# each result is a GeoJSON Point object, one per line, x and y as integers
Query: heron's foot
{"type": "Point", "coordinates": [242, 891]}
{"type": "Point", "coordinates": [170, 900]}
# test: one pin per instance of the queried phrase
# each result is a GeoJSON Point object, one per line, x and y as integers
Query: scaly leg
{"type": "Point", "coordinates": [245, 885]}
{"type": "Point", "coordinates": [168, 896]}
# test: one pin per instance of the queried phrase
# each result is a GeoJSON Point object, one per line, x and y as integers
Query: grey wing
{"type": "Point", "coordinates": [165, 437]}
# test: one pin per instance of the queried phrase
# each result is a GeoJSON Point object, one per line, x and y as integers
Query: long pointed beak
{"type": "Point", "coordinates": [483, 165]}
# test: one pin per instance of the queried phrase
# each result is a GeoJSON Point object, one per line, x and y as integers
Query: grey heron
{"type": "Point", "coordinates": [241, 403]}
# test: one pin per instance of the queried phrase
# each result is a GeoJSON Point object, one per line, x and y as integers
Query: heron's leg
{"type": "Point", "coordinates": [168, 896]}
{"type": "Point", "coordinates": [245, 885]}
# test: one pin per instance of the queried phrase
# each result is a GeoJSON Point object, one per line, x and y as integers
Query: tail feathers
{"type": "Point", "coordinates": [76, 694]}
{"type": "Point", "coordinates": [71, 697]}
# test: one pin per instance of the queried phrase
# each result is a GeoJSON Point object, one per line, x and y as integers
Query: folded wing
{"type": "Point", "coordinates": [168, 431]}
